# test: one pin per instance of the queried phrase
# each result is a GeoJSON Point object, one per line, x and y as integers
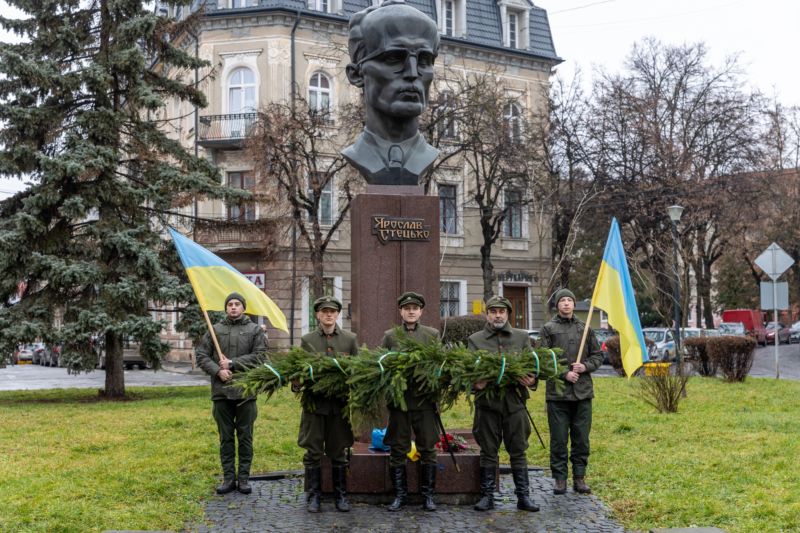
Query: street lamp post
{"type": "Point", "coordinates": [675, 212]}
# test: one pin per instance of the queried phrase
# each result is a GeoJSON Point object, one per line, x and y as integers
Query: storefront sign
{"type": "Point", "coordinates": [520, 276]}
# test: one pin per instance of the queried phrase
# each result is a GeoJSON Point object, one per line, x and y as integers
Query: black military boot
{"type": "Point", "coordinates": [314, 477]}
{"type": "Point", "coordinates": [400, 482]}
{"type": "Point", "coordinates": [227, 485]}
{"type": "Point", "coordinates": [524, 501]}
{"type": "Point", "coordinates": [579, 485]}
{"type": "Point", "coordinates": [487, 489]}
{"type": "Point", "coordinates": [559, 486]}
{"type": "Point", "coordinates": [339, 475]}
{"type": "Point", "coordinates": [428, 487]}
{"type": "Point", "coordinates": [244, 485]}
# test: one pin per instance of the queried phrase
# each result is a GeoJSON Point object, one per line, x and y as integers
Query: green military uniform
{"type": "Point", "coordinates": [326, 428]}
{"type": "Point", "coordinates": [244, 343]}
{"type": "Point", "coordinates": [502, 418]}
{"type": "Point", "coordinates": [419, 417]}
{"type": "Point", "coordinates": [420, 414]}
{"type": "Point", "coordinates": [570, 414]}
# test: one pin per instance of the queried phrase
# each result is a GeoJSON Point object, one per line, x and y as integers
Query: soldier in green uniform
{"type": "Point", "coordinates": [420, 415]}
{"type": "Point", "coordinates": [326, 429]}
{"type": "Point", "coordinates": [244, 345]}
{"type": "Point", "coordinates": [502, 418]}
{"type": "Point", "coordinates": [570, 414]}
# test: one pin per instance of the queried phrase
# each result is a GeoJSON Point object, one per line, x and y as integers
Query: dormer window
{"type": "Point", "coordinates": [325, 6]}
{"type": "Point", "coordinates": [449, 18]}
{"type": "Point", "coordinates": [515, 15]}
{"type": "Point", "coordinates": [512, 30]}
{"type": "Point", "coordinates": [452, 16]}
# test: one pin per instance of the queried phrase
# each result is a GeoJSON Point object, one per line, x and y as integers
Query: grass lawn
{"type": "Point", "coordinates": [69, 463]}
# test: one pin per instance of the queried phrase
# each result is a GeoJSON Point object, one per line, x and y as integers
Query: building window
{"type": "Point", "coordinates": [446, 111]}
{"type": "Point", "coordinates": [452, 17]}
{"type": "Point", "coordinates": [241, 91]}
{"type": "Point", "coordinates": [449, 298]}
{"type": "Point", "coordinates": [513, 221]}
{"type": "Point", "coordinates": [449, 18]}
{"type": "Point", "coordinates": [244, 210]}
{"type": "Point", "coordinates": [319, 93]}
{"type": "Point", "coordinates": [448, 209]}
{"type": "Point", "coordinates": [320, 5]}
{"type": "Point", "coordinates": [243, 3]}
{"type": "Point", "coordinates": [325, 212]}
{"type": "Point", "coordinates": [513, 39]}
{"type": "Point", "coordinates": [512, 116]}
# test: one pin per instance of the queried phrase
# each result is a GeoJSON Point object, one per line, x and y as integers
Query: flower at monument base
{"type": "Point", "coordinates": [449, 442]}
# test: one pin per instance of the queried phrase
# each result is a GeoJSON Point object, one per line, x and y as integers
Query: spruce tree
{"type": "Point", "coordinates": [84, 241]}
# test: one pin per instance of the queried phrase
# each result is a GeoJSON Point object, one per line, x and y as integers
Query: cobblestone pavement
{"type": "Point", "coordinates": [279, 506]}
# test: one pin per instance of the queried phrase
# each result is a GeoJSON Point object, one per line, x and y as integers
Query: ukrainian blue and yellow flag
{"type": "Point", "coordinates": [213, 280]}
{"type": "Point", "coordinates": [613, 293]}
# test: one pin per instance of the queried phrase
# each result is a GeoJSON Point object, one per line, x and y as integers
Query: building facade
{"type": "Point", "coordinates": [258, 48]}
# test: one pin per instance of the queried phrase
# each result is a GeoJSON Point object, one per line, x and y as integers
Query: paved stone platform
{"type": "Point", "coordinates": [279, 506]}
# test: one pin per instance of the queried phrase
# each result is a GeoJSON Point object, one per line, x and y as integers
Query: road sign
{"type": "Point", "coordinates": [774, 261]}
{"type": "Point", "coordinates": [781, 290]}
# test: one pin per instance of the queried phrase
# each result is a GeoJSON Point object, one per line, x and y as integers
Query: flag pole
{"type": "Point", "coordinates": [585, 332]}
{"type": "Point", "coordinates": [214, 337]}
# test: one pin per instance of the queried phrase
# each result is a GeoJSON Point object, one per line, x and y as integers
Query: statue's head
{"type": "Point", "coordinates": [393, 48]}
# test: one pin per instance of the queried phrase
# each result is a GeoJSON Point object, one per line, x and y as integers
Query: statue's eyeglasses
{"type": "Point", "coordinates": [399, 57]}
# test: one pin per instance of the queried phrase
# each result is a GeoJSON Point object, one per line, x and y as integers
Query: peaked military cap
{"type": "Point", "coordinates": [411, 298]}
{"type": "Point", "coordinates": [327, 302]}
{"type": "Point", "coordinates": [498, 301]}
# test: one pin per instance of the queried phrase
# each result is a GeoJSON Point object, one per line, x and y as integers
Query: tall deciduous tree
{"type": "Point", "coordinates": [75, 101]}
{"type": "Point", "coordinates": [665, 131]}
{"type": "Point", "coordinates": [297, 155]}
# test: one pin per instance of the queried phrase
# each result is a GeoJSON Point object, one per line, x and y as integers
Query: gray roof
{"type": "Point", "coordinates": [483, 20]}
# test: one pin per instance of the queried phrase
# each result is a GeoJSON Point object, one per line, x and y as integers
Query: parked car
{"type": "Point", "coordinates": [664, 339]}
{"type": "Point", "coordinates": [54, 355]}
{"type": "Point", "coordinates": [602, 335]}
{"type": "Point", "coordinates": [25, 355]}
{"type": "Point", "coordinates": [752, 320]}
{"type": "Point", "coordinates": [794, 333]}
{"type": "Point", "coordinates": [130, 357]}
{"type": "Point", "coordinates": [535, 335]}
{"type": "Point", "coordinates": [783, 333]}
{"type": "Point", "coordinates": [732, 328]}
{"type": "Point", "coordinates": [39, 353]}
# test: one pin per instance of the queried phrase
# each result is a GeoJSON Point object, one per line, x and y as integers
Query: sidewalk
{"type": "Point", "coordinates": [279, 506]}
{"type": "Point", "coordinates": [181, 367]}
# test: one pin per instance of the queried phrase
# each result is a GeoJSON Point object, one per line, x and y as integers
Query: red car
{"type": "Point", "coordinates": [784, 333]}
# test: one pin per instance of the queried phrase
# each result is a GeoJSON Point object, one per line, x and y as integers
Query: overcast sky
{"type": "Point", "coordinates": [589, 33]}
{"type": "Point", "coordinates": [765, 33]}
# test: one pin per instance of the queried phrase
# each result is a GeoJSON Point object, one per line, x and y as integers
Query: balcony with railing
{"type": "Point", "coordinates": [236, 235]}
{"type": "Point", "coordinates": [225, 131]}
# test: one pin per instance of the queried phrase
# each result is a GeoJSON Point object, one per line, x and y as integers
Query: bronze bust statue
{"type": "Point", "coordinates": [392, 48]}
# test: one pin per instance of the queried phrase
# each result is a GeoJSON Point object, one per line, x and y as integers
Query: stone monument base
{"type": "Point", "coordinates": [369, 480]}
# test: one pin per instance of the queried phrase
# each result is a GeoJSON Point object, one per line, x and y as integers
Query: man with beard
{"type": "Point", "coordinates": [502, 418]}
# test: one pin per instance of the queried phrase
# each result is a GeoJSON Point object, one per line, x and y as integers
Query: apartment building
{"type": "Point", "coordinates": [257, 48]}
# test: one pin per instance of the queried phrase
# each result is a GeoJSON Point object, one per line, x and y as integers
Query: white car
{"type": "Point", "coordinates": [664, 349]}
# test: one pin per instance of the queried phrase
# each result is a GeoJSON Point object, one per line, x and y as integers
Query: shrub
{"type": "Point", "coordinates": [697, 354]}
{"type": "Point", "coordinates": [459, 328]}
{"type": "Point", "coordinates": [614, 355]}
{"type": "Point", "coordinates": [732, 355]}
{"type": "Point", "coordinates": [663, 390]}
